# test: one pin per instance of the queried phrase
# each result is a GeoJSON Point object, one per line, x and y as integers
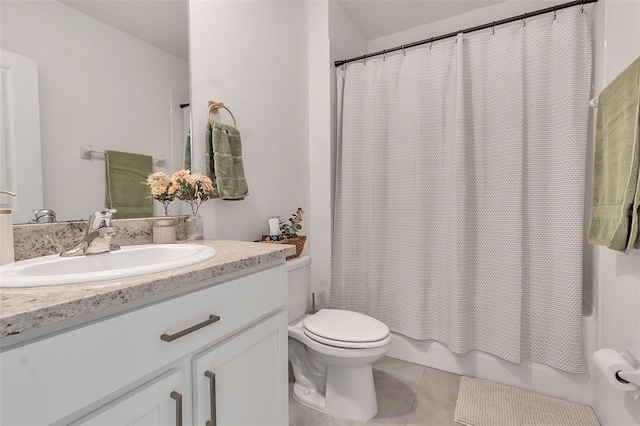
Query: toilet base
{"type": "Point", "coordinates": [350, 394]}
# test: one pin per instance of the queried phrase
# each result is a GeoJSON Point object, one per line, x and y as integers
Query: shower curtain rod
{"type": "Point", "coordinates": [468, 30]}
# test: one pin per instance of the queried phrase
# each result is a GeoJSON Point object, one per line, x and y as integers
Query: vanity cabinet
{"type": "Point", "coordinates": [119, 370]}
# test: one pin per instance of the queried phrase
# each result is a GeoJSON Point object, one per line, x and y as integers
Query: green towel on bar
{"type": "Point", "coordinates": [187, 152]}
{"type": "Point", "coordinates": [126, 191]}
{"type": "Point", "coordinates": [224, 162]}
{"type": "Point", "coordinates": [616, 185]}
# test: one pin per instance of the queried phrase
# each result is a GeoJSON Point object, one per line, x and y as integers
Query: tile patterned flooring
{"type": "Point", "coordinates": [408, 394]}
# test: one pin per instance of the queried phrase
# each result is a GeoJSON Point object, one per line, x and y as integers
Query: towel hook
{"type": "Point", "coordinates": [215, 106]}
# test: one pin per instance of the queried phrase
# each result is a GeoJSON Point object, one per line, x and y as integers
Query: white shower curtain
{"type": "Point", "coordinates": [460, 188]}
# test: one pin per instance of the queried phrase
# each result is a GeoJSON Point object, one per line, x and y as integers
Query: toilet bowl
{"type": "Point", "coordinates": [331, 353]}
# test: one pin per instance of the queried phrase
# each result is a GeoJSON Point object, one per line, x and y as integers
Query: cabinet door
{"type": "Point", "coordinates": [158, 402]}
{"type": "Point", "coordinates": [243, 381]}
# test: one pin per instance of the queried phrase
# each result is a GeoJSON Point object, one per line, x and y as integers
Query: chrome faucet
{"type": "Point", "coordinates": [98, 236]}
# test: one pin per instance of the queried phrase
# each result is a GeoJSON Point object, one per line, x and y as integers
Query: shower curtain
{"type": "Point", "coordinates": [460, 190]}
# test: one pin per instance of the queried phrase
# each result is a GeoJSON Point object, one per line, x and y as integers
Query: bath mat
{"type": "Point", "coordinates": [484, 403]}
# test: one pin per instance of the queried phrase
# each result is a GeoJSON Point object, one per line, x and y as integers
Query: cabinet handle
{"type": "Point", "coordinates": [212, 383]}
{"type": "Point", "coordinates": [171, 337]}
{"type": "Point", "coordinates": [178, 398]}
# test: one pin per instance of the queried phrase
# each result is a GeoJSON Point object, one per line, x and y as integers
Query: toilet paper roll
{"type": "Point", "coordinates": [610, 362]}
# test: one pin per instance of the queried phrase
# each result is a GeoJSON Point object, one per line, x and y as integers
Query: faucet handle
{"type": "Point", "coordinates": [100, 218]}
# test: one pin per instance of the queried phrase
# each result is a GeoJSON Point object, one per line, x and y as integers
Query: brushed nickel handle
{"type": "Point", "coordinates": [212, 383]}
{"type": "Point", "coordinates": [178, 398]}
{"type": "Point", "coordinates": [171, 337]}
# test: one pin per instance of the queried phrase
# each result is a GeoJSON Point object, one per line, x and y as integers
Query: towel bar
{"type": "Point", "coordinates": [87, 153]}
{"type": "Point", "coordinates": [215, 106]}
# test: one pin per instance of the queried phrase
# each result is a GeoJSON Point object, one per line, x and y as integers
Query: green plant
{"type": "Point", "coordinates": [291, 227]}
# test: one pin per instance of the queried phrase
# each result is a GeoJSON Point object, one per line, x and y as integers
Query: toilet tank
{"type": "Point", "coordinates": [299, 282]}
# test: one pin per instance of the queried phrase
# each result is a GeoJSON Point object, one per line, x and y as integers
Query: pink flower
{"type": "Point", "coordinates": [180, 174]}
{"type": "Point", "coordinates": [158, 178]}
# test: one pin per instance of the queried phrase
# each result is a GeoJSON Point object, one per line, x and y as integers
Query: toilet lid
{"type": "Point", "coordinates": [345, 326]}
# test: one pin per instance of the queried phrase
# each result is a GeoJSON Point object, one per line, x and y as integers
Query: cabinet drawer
{"type": "Point", "coordinates": [118, 351]}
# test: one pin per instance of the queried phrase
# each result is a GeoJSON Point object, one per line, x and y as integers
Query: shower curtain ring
{"type": "Point", "coordinates": [403, 51]}
{"type": "Point", "coordinates": [493, 28]}
{"type": "Point", "coordinates": [555, 11]}
{"type": "Point", "coordinates": [431, 44]}
{"type": "Point", "coordinates": [524, 20]}
{"type": "Point", "coordinates": [384, 55]}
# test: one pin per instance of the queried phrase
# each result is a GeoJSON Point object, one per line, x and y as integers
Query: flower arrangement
{"type": "Point", "coordinates": [194, 188]}
{"type": "Point", "coordinates": [160, 183]}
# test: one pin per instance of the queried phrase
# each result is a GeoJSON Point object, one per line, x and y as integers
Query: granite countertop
{"type": "Point", "coordinates": [22, 309]}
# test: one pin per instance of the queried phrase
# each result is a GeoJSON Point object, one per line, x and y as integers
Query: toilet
{"type": "Point", "coordinates": [331, 352]}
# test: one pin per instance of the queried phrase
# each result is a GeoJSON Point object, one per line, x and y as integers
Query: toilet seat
{"type": "Point", "coordinates": [347, 345]}
{"type": "Point", "coordinates": [346, 329]}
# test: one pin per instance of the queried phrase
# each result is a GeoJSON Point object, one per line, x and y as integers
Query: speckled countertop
{"type": "Point", "coordinates": [22, 309]}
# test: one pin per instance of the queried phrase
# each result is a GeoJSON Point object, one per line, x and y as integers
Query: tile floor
{"type": "Point", "coordinates": [408, 394]}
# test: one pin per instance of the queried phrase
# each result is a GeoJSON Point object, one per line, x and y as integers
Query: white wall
{"type": "Point", "coordinates": [496, 12]}
{"type": "Point", "coordinates": [320, 211]}
{"type": "Point", "coordinates": [617, 275]}
{"type": "Point", "coordinates": [98, 85]}
{"type": "Point", "coordinates": [253, 57]}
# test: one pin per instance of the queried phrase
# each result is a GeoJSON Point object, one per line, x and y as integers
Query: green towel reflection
{"type": "Point", "coordinates": [126, 191]}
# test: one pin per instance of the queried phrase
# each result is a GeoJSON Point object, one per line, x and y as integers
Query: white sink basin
{"type": "Point", "coordinates": [131, 261]}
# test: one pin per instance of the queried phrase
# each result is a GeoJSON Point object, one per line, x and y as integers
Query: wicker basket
{"type": "Point", "coordinates": [297, 241]}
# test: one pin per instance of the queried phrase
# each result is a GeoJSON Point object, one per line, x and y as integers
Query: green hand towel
{"type": "Point", "coordinates": [126, 191]}
{"type": "Point", "coordinates": [224, 162]}
{"type": "Point", "coordinates": [616, 185]}
{"type": "Point", "coordinates": [187, 152]}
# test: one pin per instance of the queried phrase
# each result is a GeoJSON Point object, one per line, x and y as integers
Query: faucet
{"type": "Point", "coordinates": [98, 236]}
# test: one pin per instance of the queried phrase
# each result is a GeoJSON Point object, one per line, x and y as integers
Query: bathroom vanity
{"type": "Point", "coordinates": [204, 344]}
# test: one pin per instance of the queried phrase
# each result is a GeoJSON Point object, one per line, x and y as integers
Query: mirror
{"type": "Point", "coordinates": [111, 75]}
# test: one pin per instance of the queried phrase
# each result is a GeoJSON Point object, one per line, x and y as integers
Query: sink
{"type": "Point", "coordinates": [130, 261]}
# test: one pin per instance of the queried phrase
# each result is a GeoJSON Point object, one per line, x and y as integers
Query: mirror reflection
{"type": "Point", "coordinates": [83, 77]}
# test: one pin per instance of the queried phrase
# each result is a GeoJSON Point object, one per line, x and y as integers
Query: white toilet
{"type": "Point", "coordinates": [331, 352]}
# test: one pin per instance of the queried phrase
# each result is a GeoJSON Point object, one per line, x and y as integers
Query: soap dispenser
{"type": "Point", "coordinates": [6, 234]}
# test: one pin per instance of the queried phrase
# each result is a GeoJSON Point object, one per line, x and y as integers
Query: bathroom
{"type": "Point", "coordinates": [272, 64]}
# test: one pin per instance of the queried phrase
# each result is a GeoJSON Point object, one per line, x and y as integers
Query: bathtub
{"type": "Point", "coordinates": [527, 375]}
